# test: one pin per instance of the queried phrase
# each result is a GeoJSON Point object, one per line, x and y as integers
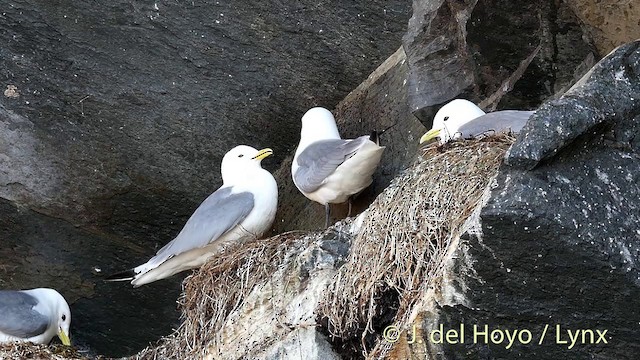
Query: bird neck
{"type": "Point", "coordinates": [317, 131]}
{"type": "Point", "coordinates": [244, 175]}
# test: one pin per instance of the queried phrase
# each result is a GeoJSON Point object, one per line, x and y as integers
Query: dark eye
{"type": "Point", "coordinates": [64, 317]}
{"type": "Point", "coordinates": [241, 155]}
{"type": "Point", "coordinates": [446, 118]}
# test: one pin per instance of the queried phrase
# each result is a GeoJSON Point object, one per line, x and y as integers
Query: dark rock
{"type": "Point", "coordinates": [130, 102]}
{"type": "Point", "coordinates": [439, 61]}
{"type": "Point", "coordinates": [560, 243]}
{"type": "Point", "coordinates": [115, 119]}
{"type": "Point", "coordinates": [607, 99]}
{"type": "Point", "coordinates": [470, 49]}
{"type": "Point", "coordinates": [41, 251]}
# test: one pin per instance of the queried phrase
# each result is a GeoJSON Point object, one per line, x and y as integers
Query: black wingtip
{"type": "Point", "coordinates": [375, 137]}
{"type": "Point", "coordinates": [121, 276]}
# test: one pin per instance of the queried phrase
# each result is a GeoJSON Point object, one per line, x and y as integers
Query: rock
{"type": "Point", "coordinates": [115, 118]}
{"type": "Point", "coordinates": [610, 24]}
{"type": "Point", "coordinates": [107, 318]}
{"type": "Point", "coordinates": [439, 61]}
{"type": "Point", "coordinates": [606, 99]}
{"type": "Point", "coordinates": [559, 248]}
{"type": "Point", "coordinates": [471, 49]}
{"type": "Point", "coordinates": [131, 107]}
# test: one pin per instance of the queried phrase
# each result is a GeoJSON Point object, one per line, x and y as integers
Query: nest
{"type": "Point", "coordinates": [27, 350]}
{"type": "Point", "coordinates": [404, 241]}
{"type": "Point", "coordinates": [216, 290]}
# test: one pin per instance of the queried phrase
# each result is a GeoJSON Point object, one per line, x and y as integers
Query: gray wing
{"type": "Point", "coordinates": [18, 317]}
{"type": "Point", "coordinates": [217, 214]}
{"type": "Point", "coordinates": [495, 122]}
{"type": "Point", "coordinates": [320, 159]}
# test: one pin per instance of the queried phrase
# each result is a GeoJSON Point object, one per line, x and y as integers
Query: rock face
{"type": "Point", "coordinates": [560, 247]}
{"type": "Point", "coordinates": [115, 118]}
{"type": "Point", "coordinates": [132, 106]}
{"type": "Point", "coordinates": [475, 49]}
{"type": "Point", "coordinates": [610, 23]}
{"type": "Point", "coordinates": [278, 319]}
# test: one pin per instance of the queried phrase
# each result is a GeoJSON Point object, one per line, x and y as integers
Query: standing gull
{"type": "Point", "coordinates": [243, 208]}
{"type": "Point", "coordinates": [35, 315]}
{"type": "Point", "coordinates": [463, 119]}
{"type": "Point", "coordinates": [328, 169]}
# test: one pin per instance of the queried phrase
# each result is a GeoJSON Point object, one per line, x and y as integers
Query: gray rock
{"type": "Point", "coordinates": [115, 119]}
{"type": "Point", "coordinates": [604, 102]}
{"type": "Point", "coordinates": [471, 49]}
{"type": "Point", "coordinates": [440, 64]}
{"type": "Point", "coordinates": [131, 106]}
{"type": "Point", "coordinates": [560, 245]}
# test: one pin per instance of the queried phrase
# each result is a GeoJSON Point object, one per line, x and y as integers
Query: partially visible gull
{"type": "Point", "coordinates": [463, 119]}
{"type": "Point", "coordinates": [35, 315]}
{"type": "Point", "coordinates": [243, 208]}
{"type": "Point", "coordinates": [328, 169]}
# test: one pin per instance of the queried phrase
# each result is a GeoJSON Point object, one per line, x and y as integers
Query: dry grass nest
{"type": "Point", "coordinates": [405, 237]}
{"type": "Point", "coordinates": [27, 350]}
{"type": "Point", "coordinates": [219, 288]}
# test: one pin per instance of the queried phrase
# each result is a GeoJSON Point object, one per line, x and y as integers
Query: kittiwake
{"type": "Point", "coordinates": [328, 169]}
{"type": "Point", "coordinates": [463, 119]}
{"type": "Point", "coordinates": [35, 315]}
{"type": "Point", "coordinates": [243, 208]}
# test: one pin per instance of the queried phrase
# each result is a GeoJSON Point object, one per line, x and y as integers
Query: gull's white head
{"type": "Point", "coordinates": [241, 161]}
{"type": "Point", "coordinates": [318, 124]}
{"type": "Point", "coordinates": [450, 118]}
{"type": "Point", "coordinates": [58, 310]}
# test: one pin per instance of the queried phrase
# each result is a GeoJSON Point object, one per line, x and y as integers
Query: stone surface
{"type": "Point", "coordinates": [605, 101]}
{"type": "Point", "coordinates": [115, 118]}
{"type": "Point", "coordinates": [610, 23]}
{"type": "Point", "coordinates": [560, 244]}
{"type": "Point", "coordinates": [439, 61]}
{"type": "Point", "coordinates": [278, 319]}
{"type": "Point", "coordinates": [470, 49]}
{"type": "Point", "coordinates": [380, 102]}
{"type": "Point", "coordinates": [40, 251]}
{"type": "Point", "coordinates": [136, 103]}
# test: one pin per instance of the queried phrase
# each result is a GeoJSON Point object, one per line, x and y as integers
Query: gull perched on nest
{"type": "Point", "coordinates": [243, 208]}
{"type": "Point", "coordinates": [463, 119]}
{"type": "Point", "coordinates": [35, 315]}
{"type": "Point", "coordinates": [328, 169]}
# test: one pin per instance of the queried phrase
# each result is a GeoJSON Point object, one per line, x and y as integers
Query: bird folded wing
{"type": "Point", "coordinates": [497, 121]}
{"type": "Point", "coordinates": [17, 316]}
{"type": "Point", "coordinates": [320, 159]}
{"type": "Point", "coordinates": [217, 214]}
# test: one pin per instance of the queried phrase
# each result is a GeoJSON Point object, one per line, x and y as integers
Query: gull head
{"type": "Point", "coordinates": [318, 124]}
{"type": "Point", "coordinates": [59, 312]}
{"type": "Point", "coordinates": [241, 161]}
{"type": "Point", "coordinates": [450, 118]}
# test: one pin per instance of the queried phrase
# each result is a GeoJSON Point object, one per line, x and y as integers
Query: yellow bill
{"type": "Point", "coordinates": [263, 154]}
{"type": "Point", "coordinates": [431, 134]}
{"type": "Point", "coordinates": [64, 337]}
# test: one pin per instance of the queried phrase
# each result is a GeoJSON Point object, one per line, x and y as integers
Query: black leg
{"type": "Point", "coordinates": [327, 211]}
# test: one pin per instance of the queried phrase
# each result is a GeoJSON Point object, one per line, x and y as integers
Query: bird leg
{"type": "Point", "coordinates": [327, 211]}
{"type": "Point", "coordinates": [350, 203]}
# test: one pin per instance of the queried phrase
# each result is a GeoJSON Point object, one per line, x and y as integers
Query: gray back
{"type": "Point", "coordinates": [321, 159]}
{"type": "Point", "coordinates": [17, 317]}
